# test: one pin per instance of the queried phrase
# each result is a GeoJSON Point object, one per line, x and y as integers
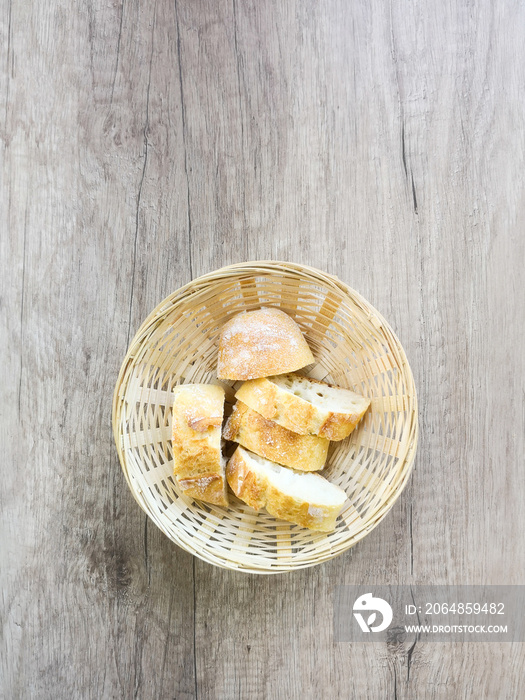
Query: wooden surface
{"type": "Point", "coordinates": [143, 144]}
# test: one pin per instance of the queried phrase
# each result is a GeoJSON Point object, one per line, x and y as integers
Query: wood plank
{"type": "Point", "coordinates": [91, 593]}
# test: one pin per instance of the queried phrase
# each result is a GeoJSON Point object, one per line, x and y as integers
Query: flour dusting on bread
{"type": "Point", "coordinates": [304, 405]}
{"type": "Point", "coordinates": [262, 342]}
{"type": "Point", "coordinates": [270, 440]}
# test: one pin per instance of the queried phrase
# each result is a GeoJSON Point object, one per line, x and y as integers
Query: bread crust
{"type": "Point", "coordinates": [274, 442]}
{"type": "Point", "coordinates": [261, 343]}
{"type": "Point", "coordinates": [207, 487]}
{"type": "Point", "coordinates": [196, 441]}
{"type": "Point", "coordinates": [297, 414]}
{"type": "Point", "coordinates": [257, 491]}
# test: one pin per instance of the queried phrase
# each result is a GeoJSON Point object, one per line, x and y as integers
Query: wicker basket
{"type": "Point", "coordinates": [354, 347]}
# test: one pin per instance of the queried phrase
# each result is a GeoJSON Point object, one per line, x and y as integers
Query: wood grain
{"type": "Point", "coordinates": [143, 144]}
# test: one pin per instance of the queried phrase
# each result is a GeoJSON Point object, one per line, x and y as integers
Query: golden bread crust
{"type": "Point", "coordinates": [208, 487]}
{"type": "Point", "coordinates": [245, 483]}
{"type": "Point", "coordinates": [261, 343]}
{"type": "Point", "coordinates": [274, 442]}
{"type": "Point", "coordinates": [297, 414]}
{"type": "Point", "coordinates": [257, 491]}
{"type": "Point", "coordinates": [196, 441]}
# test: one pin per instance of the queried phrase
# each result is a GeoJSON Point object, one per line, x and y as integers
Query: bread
{"type": "Point", "coordinates": [196, 439]}
{"type": "Point", "coordinates": [261, 343]}
{"type": "Point", "coordinates": [305, 405]}
{"type": "Point", "coordinates": [272, 441]}
{"type": "Point", "coordinates": [308, 500]}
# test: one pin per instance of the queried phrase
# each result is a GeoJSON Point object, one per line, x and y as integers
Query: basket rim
{"type": "Point", "coordinates": [259, 268]}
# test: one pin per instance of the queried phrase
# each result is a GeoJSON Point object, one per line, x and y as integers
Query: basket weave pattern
{"type": "Point", "coordinates": [353, 347]}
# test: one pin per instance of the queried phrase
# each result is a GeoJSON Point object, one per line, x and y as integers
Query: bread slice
{"type": "Point", "coordinates": [196, 439]}
{"type": "Point", "coordinates": [268, 439]}
{"type": "Point", "coordinates": [305, 499]}
{"type": "Point", "coordinates": [261, 343]}
{"type": "Point", "coordinates": [304, 405]}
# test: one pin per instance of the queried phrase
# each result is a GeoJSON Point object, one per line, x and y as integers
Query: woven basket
{"type": "Point", "coordinates": [354, 348]}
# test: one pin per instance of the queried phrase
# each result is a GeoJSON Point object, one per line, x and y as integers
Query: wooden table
{"type": "Point", "coordinates": [144, 144]}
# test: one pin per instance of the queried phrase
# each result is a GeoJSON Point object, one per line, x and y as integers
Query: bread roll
{"type": "Point", "coordinates": [196, 439]}
{"type": "Point", "coordinates": [308, 500]}
{"type": "Point", "coordinates": [305, 405]}
{"type": "Point", "coordinates": [272, 441]}
{"type": "Point", "coordinates": [261, 343]}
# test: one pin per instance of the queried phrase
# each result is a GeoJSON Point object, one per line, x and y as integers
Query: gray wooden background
{"type": "Point", "coordinates": [146, 143]}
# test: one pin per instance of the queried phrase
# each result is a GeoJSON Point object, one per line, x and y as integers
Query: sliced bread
{"type": "Point", "coordinates": [196, 439]}
{"type": "Point", "coordinates": [308, 500]}
{"type": "Point", "coordinates": [261, 343]}
{"type": "Point", "coordinates": [268, 439]}
{"type": "Point", "coordinates": [305, 405]}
